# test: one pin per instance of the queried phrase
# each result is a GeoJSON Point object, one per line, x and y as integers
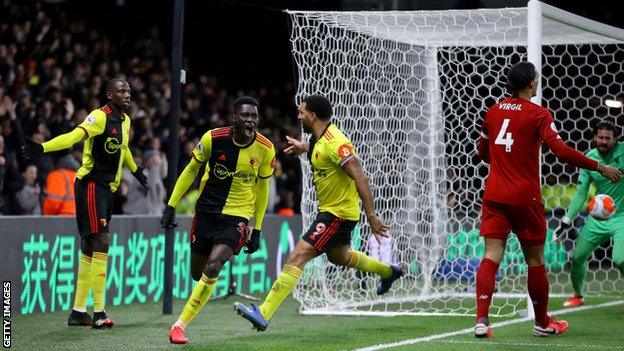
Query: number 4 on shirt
{"type": "Point", "coordinates": [504, 137]}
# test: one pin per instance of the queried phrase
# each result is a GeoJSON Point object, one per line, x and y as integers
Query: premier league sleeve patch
{"type": "Point", "coordinates": [90, 119]}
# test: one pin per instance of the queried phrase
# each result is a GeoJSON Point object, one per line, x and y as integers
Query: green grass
{"type": "Point", "coordinates": [143, 327]}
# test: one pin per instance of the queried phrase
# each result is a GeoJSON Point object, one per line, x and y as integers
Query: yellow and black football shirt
{"type": "Point", "coordinates": [229, 181]}
{"type": "Point", "coordinates": [335, 190]}
{"type": "Point", "coordinates": [106, 147]}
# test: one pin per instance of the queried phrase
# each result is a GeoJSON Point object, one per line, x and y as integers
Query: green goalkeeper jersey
{"type": "Point", "coordinates": [603, 185]}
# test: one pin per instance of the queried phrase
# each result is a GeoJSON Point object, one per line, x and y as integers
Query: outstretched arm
{"type": "Point", "coordinates": [65, 141]}
{"type": "Point", "coordinates": [570, 155]}
{"type": "Point", "coordinates": [549, 135]}
{"type": "Point", "coordinates": [575, 158]}
{"type": "Point", "coordinates": [295, 147]}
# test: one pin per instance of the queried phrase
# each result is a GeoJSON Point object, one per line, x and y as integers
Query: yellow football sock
{"type": "Point", "coordinates": [283, 285]}
{"type": "Point", "coordinates": [200, 295]}
{"type": "Point", "coordinates": [368, 264]}
{"type": "Point", "coordinates": [83, 283]}
{"type": "Point", "coordinates": [98, 279]}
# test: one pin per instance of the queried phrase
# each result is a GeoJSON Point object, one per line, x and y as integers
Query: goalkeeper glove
{"type": "Point", "coordinates": [168, 218]}
{"type": "Point", "coordinates": [254, 243]}
{"type": "Point", "coordinates": [140, 176]}
{"type": "Point", "coordinates": [563, 227]}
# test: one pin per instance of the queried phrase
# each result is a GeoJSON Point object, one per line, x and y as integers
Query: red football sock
{"type": "Point", "coordinates": [538, 290]}
{"type": "Point", "coordinates": [486, 280]}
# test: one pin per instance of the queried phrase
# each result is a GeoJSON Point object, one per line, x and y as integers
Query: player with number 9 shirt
{"type": "Point", "coordinates": [512, 134]}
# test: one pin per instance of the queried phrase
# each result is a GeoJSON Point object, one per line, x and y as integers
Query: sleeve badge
{"type": "Point", "coordinates": [345, 150]}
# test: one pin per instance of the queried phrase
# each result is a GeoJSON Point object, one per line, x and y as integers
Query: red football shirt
{"type": "Point", "coordinates": [515, 128]}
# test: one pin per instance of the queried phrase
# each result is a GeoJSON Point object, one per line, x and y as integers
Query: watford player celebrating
{"type": "Point", "coordinates": [105, 135]}
{"type": "Point", "coordinates": [235, 186]}
{"type": "Point", "coordinates": [338, 179]}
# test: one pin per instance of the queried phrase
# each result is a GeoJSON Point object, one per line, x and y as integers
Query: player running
{"type": "Point", "coordinates": [512, 134]}
{"type": "Point", "coordinates": [596, 232]}
{"type": "Point", "coordinates": [239, 162]}
{"type": "Point", "coordinates": [338, 179]}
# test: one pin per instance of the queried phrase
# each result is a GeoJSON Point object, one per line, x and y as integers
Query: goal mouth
{"type": "Point", "coordinates": [410, 89]}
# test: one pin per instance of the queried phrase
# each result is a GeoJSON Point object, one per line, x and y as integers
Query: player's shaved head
{"type": "Point", "coordinates": [112, 83]}
{"type": "Point", "coordinates": [520, 76]}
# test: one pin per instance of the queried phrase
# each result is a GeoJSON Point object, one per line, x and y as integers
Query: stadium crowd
{"type": "Point", "coordinates": [53, 69]}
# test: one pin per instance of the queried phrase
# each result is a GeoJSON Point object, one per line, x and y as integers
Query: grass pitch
{"type": "Point", "coordinates": [218, 327]}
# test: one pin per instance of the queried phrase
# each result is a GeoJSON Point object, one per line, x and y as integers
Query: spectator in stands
{"type": "Point", "coordinates": [156, 147]}
{"type": "Point", "coordinates": [10, 179]}
{"type": "Point", "coordinates": [3, 166]}
{"type": "Point", "coordinates": [56, 66]}
{"type": "Point", "coordinates": [28, 198]}
{"type": "Point", "coordinates": [146, 201]}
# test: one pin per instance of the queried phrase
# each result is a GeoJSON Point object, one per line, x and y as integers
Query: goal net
{"type": "Point", "coordinates": [410, 90]}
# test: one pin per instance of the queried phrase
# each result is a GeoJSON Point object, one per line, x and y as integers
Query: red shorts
{"type": "Point", "coordinates": [526, 221]}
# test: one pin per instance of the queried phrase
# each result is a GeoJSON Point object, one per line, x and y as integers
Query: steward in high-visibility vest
{"type": "Point", "coordinates": [60, 200]}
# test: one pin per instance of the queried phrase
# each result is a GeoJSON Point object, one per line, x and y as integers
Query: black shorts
{"type": "Point", "coordinates": [94, 207]}
{"type": "Point", "coordinates": [328, 231]}
{"type": "Point", "coordinates": [209, 229]}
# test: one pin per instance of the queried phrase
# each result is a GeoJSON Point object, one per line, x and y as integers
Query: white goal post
{"type": "Point", "coordinates": [410, 89]}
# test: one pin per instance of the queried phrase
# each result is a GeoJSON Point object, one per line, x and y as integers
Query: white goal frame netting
{"type": "Point", "coordinates": [410, 90]}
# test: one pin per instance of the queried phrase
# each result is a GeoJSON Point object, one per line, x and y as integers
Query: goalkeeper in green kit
{"type": "Point", "coordinates": [595, 232]}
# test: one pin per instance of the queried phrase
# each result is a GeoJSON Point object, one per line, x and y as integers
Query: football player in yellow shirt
{"type": "Point", "coordinates": [338, 179]}
{"type": "Point", "coordinates": [235, 186]}
{"type": "Point", "coordinates": [105, 134]}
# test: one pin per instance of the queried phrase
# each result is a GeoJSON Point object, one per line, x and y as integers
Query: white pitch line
{"type": "Point", "coordinates": [495, 325]}
{"type": "Point", "coordinates": [609, 347]}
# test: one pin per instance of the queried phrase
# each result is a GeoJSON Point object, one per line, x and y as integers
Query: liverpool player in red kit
{"type": "Point", "coordinates": [512, 134]}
